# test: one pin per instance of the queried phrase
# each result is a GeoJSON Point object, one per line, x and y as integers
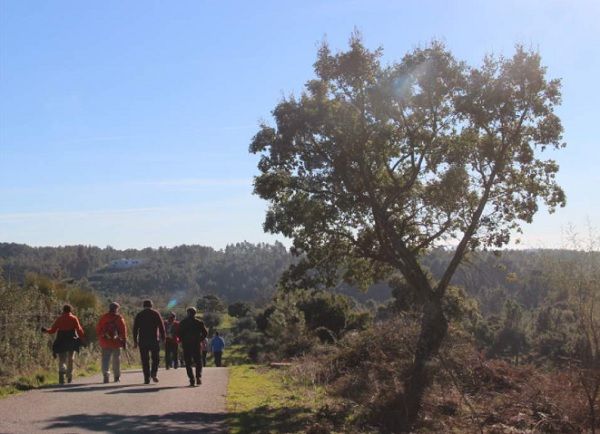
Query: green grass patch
{"type": "Point", "coordinates": [84, 367]}
{"type": "Point", "coordinates": [227, 322]}
{"type": "Point", "coordinates": [260, 399]}
{"type": "Point", "coordinates": [22, 383]}
{"type": "Point", "coordinates": [235, 355]}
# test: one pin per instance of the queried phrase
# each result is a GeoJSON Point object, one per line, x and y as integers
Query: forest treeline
{"type": "Point", "coordinates": [241, 271]}
{"type": "Point", "coordinates": [251, 272]}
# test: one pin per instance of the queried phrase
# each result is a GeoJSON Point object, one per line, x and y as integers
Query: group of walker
{"type": "Point", "coordinates": [149, 330]}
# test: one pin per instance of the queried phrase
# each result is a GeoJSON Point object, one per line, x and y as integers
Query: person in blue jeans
{"type": "Point", "coordinates": [216, 347]}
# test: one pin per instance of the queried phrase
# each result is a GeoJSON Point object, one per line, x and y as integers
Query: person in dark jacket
{"type": "Point", "coordinates": [69, 336]}
{"type": "Point", "coordinates": [148, 332]}
{"type": "Point", "coordinates": [191, 334]}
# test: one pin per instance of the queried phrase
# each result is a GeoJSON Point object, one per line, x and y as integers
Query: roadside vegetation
{"type": "Point", "coordinates": [271, 400]}
{"type": "Point", "coordinates": [515, 369]}
{"type": "Point", "coordinates": [26, 352]}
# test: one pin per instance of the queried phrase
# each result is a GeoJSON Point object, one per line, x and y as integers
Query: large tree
{"type": "Point", "coordinates": [373, 165]}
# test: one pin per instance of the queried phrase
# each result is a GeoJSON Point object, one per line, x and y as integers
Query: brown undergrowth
{"type": "Point", "coordinates": [494, 396]}
{"type": "Point", "coordinates": [468, 393]}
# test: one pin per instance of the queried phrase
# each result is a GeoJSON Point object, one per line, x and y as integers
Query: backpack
{"type": "Point", "coordinates": [111, 331]}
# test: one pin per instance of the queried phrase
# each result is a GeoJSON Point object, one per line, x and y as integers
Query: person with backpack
{"type": "Point", "coordinates": [217, 344]}
{"type": "Point", "coordinates": [171, 342]}
{"type": "Point", "coordinates": [191, 333]}
{"type": "Point", "coordinates": [148, 332]}
{"type": "Point", "coordinates": [69, 337]}
{"type": "Point", "coordinates": [112, 335]}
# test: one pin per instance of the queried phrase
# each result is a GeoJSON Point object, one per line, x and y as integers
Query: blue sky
{"type": "Point", "coordinates": [128, 123]}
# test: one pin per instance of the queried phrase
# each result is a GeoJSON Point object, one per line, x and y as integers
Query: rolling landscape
{"type": "Point", "coordinates": [345, 217]}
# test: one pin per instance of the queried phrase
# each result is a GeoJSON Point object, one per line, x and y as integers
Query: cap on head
{"type": "Point", "coordinates": [147, 303]}
{"type": "Point", "coordinates": [114, 306]}
{"type": "Point", "coordinates": [191, 311]}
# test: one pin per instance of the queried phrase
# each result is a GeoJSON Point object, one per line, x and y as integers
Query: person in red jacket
{"type": "Point", "coordinates": [112, 334]}
{"type": "Point", "coordinates": [69, 336]}
{"type": "Point", "coordinates": [171, 342]}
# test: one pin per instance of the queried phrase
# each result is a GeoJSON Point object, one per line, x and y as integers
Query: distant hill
{"type": "Point", "coordinates": [250, 272]}
{"type": "Point", "coordinates": [242, 271]}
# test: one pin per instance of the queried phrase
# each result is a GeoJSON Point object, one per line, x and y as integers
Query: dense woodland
{"type": "Point", "coordinates": [242, 271]}
{"type": "Point", "coordinates": [251, 272]}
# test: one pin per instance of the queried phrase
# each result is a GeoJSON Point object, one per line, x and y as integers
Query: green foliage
{"type": "Point", "coordinates": [210, 303]}
{"type": "Point", "coordinates": [211, 320]}
{"type": "Point", "coordinates": [324, 309]}
{"type": "Point", "coordinates": [238, 309]}
{"type": "Point", "coordinates": [373, 165]}
{"type": "Point", "coordinates": [359, 320]}
{"type": "Point", "coordinates": [510, 339]}
{"type": "Point", "coordinates": [578, 280]}
{"type": "Point", "coordinates": [325, 335]}
{"type": "Point", "coordinates": [297, 320]}
{"type": "Point", "coordinates": [240, 272]}
{"type": "Point", "coordinates": [245, 323]}
{"type": "Point", "coordinates": [24, 310]}
{"type": "Point", "coordinates": [485, 275]}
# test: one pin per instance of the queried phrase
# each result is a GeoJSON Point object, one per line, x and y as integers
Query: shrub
{"type": "Point", "coordinates": [211, 320]}
{"type": "Point", "coordinates": [239, 309]}
{"type": "Point", "coordinates": [245, 323]}
{"type": "Point", "coordinates": [324, 309]}
{"type": "Point", "coordinates": [325, 335]}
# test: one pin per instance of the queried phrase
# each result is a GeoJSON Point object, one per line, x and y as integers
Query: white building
{"type": "Point", "coordinates": [125, 263]}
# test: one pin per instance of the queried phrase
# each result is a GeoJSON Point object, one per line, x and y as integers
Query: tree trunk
{"type": "Point", "coordinates": [434, 328]}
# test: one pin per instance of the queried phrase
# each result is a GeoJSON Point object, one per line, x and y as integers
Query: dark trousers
{"type": "Point", "coordinates": [147, 352]}
{"type": "Point", "coordinates": [171, 354]}
{"type": "Point", "coordinates": [218, 355]}
{"type": "Point", "coordinates": [189, 354]}
{"type": "Point", "coordinates": [204, 353]}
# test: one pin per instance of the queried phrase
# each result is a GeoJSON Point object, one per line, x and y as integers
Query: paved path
{"type": "Point", "coordinates": [87, 405]}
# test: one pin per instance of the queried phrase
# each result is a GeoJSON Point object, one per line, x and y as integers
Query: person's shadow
{"type": "Point", "coordinates": [258, 420]}
{"type": "Point", "coordinates": [180, 422]}
{"type": "Point", "coordinates": [69, 388]}
{"type": "Point", "coordinates": [146, 389]}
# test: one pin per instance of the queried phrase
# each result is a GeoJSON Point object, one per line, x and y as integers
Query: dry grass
{"type": "Point", "coordinates": [468, 392]}
{"type": "Point", "coordinates": [494, 396]}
